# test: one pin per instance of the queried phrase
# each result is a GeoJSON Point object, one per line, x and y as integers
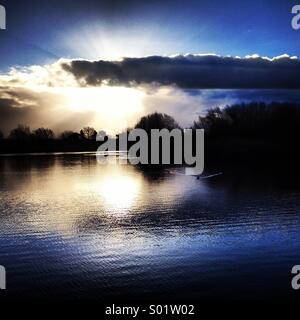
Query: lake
{"type": "Point", "coordinates": [72, 228]}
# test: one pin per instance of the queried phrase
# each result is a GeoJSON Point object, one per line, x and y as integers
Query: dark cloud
{"type": "Point", "coordinates": [19, 105]}
{"type": "Point", "coordinates": [11, 114]}
{"type": "Point", "coordinates": [191, 71]}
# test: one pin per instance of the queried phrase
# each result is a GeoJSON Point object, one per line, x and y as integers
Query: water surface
{"type": "Point", "coordinates": [71, 228]}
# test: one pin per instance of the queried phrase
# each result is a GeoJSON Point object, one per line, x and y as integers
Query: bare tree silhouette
{"type": "Point", "coordinates": [22, 132]}
{"type": "Point", "coordinates": [88, 133]}
{"type": "Point", "coordinates": [157, 121]}
{"type": "Point", "coordinates": [43, 134]}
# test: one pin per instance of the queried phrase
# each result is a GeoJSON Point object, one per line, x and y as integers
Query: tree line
{"type": "Point", "coordinates": [234, 134]}
{"type": "Point", "coordinates": [241, 120]}
{"type": "Point", "coordinates": [23, 133]}
{"type": "Point", "coordinates": [253, 120]}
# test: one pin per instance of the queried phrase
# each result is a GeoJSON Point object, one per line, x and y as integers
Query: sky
{"type": "Point", "coordinates": [48, 76]}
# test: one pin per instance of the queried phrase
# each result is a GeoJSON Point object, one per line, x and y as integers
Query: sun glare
{"type": "Point", "coordinates": [114, 106]}
{"type": "Point", "coordinates": [119, 192]}
{"type": "Point", "coordinates": [118, 189]}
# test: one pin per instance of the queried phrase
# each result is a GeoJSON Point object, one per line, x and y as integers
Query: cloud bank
{"type": "Point", "coordinates": [191, 71]}
{"type": "Point", "coordinates": [70, 94]}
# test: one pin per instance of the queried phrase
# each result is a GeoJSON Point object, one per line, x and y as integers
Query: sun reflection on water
{"type": "Point", "coordinates": [119, 192]}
